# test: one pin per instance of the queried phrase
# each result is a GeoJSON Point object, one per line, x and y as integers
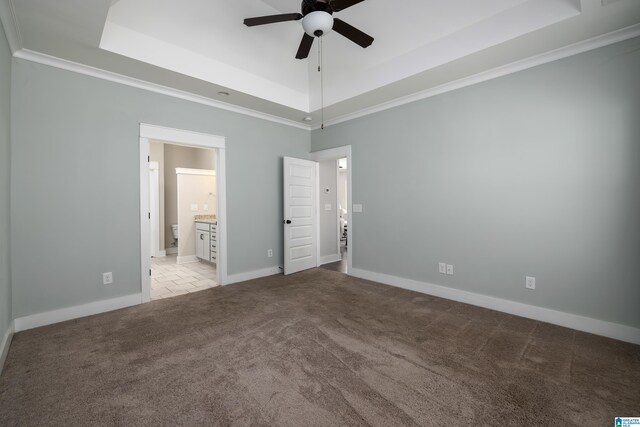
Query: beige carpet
{"type": "Point", "coordinates": [315, 349]}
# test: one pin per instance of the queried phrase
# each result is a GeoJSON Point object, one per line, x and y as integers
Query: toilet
{"type": "Point", "coordinates": [174, 231]}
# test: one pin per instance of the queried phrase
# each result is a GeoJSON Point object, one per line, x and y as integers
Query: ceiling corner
{"type": "Point", "coordinates": [10, 25]}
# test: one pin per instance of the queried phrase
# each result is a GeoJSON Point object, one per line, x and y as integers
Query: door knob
{"type": "Point", "coordinates": [288, 221]}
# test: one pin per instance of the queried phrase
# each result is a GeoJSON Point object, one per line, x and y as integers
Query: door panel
{"type": "Point", "coordinates": [300, 210]}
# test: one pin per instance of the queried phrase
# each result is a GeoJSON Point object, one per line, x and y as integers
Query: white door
{"type": "Point", "coordinates": [300, 216]}
{"type": "Point", "coordinates": [154, 208]}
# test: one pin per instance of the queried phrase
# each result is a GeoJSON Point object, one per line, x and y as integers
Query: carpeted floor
{"type": "Point", "coordinates": [316, 348]}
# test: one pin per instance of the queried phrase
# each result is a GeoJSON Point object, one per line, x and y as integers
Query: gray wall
{"type": "Point", "coordinates": [536, 173]}
{"type": "Point", "coordinates": [328, 219]}
{"type": "Point", "coordinates": [76, 152]}
{"type": "Point", "coordinates": [5, 171]}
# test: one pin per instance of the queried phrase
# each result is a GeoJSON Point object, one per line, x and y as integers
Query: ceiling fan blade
{"type": "Point", "coordinates": [305, 46]}
{"type": "Point", "coordinates": [352, 33]}
{"type": "Point", "coordinates": [272, 19]}
{"type": "Point", "coordinates": [339, 5]}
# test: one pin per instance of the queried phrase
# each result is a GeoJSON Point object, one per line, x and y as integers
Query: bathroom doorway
{"type": "Point", "coordinates": [183, 193]}
{"type": "Point", "coordinates": [186, 198]}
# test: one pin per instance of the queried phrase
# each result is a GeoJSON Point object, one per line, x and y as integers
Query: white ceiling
{"type": "Point", "coordinates": [202, 46]}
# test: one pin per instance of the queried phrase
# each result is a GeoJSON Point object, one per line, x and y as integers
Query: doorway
{"type": "Point", "coordinates": [335, 243]}
{"type": "Point", "coordinates": [187, 194]}
{"type": "Point", "coordinates": [197, 199]}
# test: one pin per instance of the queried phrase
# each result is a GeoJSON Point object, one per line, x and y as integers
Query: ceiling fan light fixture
{"type": "Point", "coordinates": [317, 23]}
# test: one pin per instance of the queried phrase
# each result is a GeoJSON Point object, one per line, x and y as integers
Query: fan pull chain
{"type": "Point", "coordinates": [321, 71]}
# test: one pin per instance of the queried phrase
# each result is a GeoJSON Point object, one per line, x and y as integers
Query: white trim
{"type": "Point", "coordinates": [187, 138]}
{"type": "Point", "coordinates": [189, 259]}
{"type": "Point", "coordinates": [161, 254]}
{"type": "Point", "coordinates": [52, 61]}
{"type": "Point", "coordinates": [154, 207]}
{"type": "Point", "coordinates": [187, 171]}
{"type": "Point", "coordinates": [171, 251]}
{"type": "Point", "coordinates": [5, 344]}
{"type": "Point", "coordinates": [514, 67]}
{"type": "Point", "coordinates": [145, 223]}
{"type": "Point", "coordinates": [339, 153]}
{"type": "Point", "coordinates": [10, 24]}
{"type": "Point", "coordinates": [568, 320]}
{"type": "Point", "coordinates": [64, 314]}
{"type": "Point", "coordinates": [256, 274]}
{"type": "Point", "coordinates": [328, 259]}
{"type": "Point", "coordinates": [560, 53]}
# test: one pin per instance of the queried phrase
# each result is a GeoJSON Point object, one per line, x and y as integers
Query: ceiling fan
{"type": "Point", "coordinates": [317, 20]}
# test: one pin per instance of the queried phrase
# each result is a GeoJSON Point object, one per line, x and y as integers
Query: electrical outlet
{"type": "Point", "coordinates": [530, 282]}
{"type": "Point", "coordinates": [442, 268]}
{"type": "Point", "coordinates": [107, 278]}
{"type": "Point", "coordinates": [450, 269]}
{"type": "Point", "coordinates": [270, 253]}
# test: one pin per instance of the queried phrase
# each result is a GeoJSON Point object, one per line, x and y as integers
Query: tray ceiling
{"type": "Point", "coordinates": [202, 46]}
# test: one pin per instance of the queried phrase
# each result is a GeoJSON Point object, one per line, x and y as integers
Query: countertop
{"type": "Point", "coordinates": [206, 219]}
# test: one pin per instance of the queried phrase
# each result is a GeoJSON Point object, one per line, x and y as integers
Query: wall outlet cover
{"type": "Point", "coordinates": [450, 269]}
{"type": "Point", "coordinates": [530, 282]}
{"type": "Point", "coordinates": [205, 207]}
{"type": "Point", "coordinates": [194, 207]}
{"type": "Point", "coordinates": [270, 253]}
{"type": "Point", "coordinates": [442, 268]}
{"type": "Point", "coordinates": [357, 208]}
{"type": "Point", "coordinates": [107, 278]}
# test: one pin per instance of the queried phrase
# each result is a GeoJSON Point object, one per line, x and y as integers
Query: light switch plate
{"type": "Point", "coordinates": [194, 207]}
{"type": "Point", "coordinates": [327, 207]}
{"type": "Point", "coordinates": [205, 207]}
{"type": "Point", "coordinates": [357, 208]}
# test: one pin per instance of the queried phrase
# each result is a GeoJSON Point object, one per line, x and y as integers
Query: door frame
{"type": "Point", "coordinates": [154, 207]}
{"type": "Point", "coordinates": [335, 154]}
{"type": "Point", "coordinates": [189, 139]}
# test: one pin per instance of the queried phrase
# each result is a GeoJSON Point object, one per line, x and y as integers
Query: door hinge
{"type": "Point", "coordinates": [149, 215]}
{"type": "Point", "coordinates": [148, 159]}
{"type": "Point", "coordinates": [149, 272]}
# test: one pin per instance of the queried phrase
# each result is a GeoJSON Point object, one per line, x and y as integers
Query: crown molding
{"type": "Point", "coordinates": [52, 61]}
{"type": "Point", "coordinates": [554, 55]}
{"type": "Point", "coordinates": [13, 36]}
{"type": "Point", "coordinates": [10, 24]}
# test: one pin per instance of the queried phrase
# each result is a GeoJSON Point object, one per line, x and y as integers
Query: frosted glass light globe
{"type": "Point", "coordinates": [317, 23]}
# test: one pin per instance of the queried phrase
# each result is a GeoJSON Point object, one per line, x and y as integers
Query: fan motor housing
{"type": "Point", "coordinates": [309, 6]}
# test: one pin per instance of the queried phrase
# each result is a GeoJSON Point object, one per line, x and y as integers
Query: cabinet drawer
{"type": "Point", "coordinates": [201, 226]}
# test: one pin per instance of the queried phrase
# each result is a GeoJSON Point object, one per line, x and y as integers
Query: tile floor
{"type": "Point", "coordinates": [169, 279]}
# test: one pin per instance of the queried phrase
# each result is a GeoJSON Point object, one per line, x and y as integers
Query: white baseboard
{"type": "Point", "coordinates": [573, 321]}
{"type": "Point", "coordinates": [5, 344]}
{"type": "Point", "coordinates": [171, 251]}
{"type": "Point", "coordinates": [250, 275]}
{"type": "Point", "coordinates": [63, 314]}
{"type": "Point", "coordinates": [330, 258]}
{"type": "Point", "coordinates": [189, 259]}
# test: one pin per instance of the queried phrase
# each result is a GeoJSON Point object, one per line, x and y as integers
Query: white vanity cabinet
{"type": "Point", "coordinates": [207, 241]}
